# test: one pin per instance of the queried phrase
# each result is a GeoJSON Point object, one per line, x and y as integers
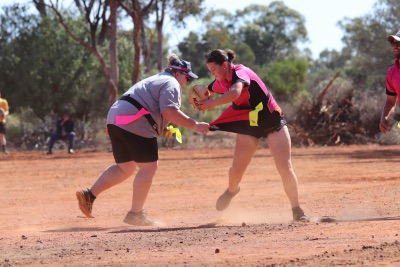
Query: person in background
{"type": "Point", "coordinates": [133, 123]}
{"type": "Point", "coordinates": [392, 85]}
{"type": "Point", "coordinates": [64, 130]}
{"type": "Point", "coordinates": [254, 114]}
{"type": "Point", "coordinates": [4, 111]}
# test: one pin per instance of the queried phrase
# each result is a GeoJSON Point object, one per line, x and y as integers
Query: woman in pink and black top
{"type": "Point", "coordinates": [254, 114]}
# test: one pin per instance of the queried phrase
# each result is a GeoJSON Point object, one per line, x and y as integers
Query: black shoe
{"type": "Point", "coordinates": [50, 152]}
{"type": "Point", "coordinates": [225, 199]}
{"type": "Point", "coordinates": [298, 214]}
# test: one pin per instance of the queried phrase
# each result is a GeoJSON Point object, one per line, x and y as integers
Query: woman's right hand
{"type": "Point", "coordinates": [384, 125]}
{"type": "Point", "coordinates": [202, 127]}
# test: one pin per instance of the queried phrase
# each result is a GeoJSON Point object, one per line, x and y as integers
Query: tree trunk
{"type": "Point", "coordinates": [114, 70]}
{"type": "Point", "coordinates": [137, 48]}
{"type": "Point", "coordinates": [159, 25]}
{"type": "Point", "coordinates": [92, 48]}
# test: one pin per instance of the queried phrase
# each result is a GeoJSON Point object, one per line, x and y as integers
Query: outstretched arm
{"type": "Point", "coordinates": [387, 111]}
{"type": "Point", "coordinates": [176, 116]}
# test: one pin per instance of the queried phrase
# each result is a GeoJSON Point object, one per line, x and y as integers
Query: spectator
{"type": "Point", "coordinates": [64, 130]}
{"type": "Point", "coordinates": [4, 110]}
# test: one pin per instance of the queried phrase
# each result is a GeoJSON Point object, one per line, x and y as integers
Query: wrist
{"type": "Point", "coordinates": [194, 124]}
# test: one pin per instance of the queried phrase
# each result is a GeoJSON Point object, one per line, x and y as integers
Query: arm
{"type": "Point", "coordinates": [6, 109]}
{"type": "Point", "coordinates": [234, 92]}
{"type": "Point", "coordinates": [68, 126]}
{"type": "Point", "coordinates": [387, 111]}
{"type": "Point", "coordinates": [176, 116]}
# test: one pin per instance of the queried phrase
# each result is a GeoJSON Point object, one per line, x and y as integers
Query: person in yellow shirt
{"type": "Point", "coordinates": [4, 110]}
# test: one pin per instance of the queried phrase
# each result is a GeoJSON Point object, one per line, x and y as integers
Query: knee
{"type": "Point", "coordinates": [153, 169]}
{"type": "Point", "coordinates": [285, 168]}
{"type": "Point", "coordinates": [150, 170]}
{"type": "Point", "coordinates": [126, 170]}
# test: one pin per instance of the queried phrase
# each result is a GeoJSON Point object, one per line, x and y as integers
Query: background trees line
{"type": "Point", "coordinates": [80, 58]}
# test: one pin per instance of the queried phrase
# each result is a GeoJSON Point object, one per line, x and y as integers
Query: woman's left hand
{"type": "Point", "coordinates": [206, 104]}
{"type": "Point", "coordinates": [167, 133]}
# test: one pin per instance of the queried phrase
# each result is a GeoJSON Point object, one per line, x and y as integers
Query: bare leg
{"type": "Point", "coordinates": [3, 143]}
{"type": "Point", "coordinates": [112, 176]}
{"type": "Point", "coordinates": [3, 139]}
{"type": "Point", "coordinates": [280, 146]}
{"type": "Point", "coordinates": [245, 148]}
{"type": "Point", "coordinates": [142, 184]}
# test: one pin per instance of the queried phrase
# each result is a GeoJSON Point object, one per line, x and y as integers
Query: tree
{"type": "Point", "coordinates": [42, 69]}
{"type": "Point", "coordinates": [193, 49]}
{"type": "Point", "coordinates": [286, 79]}
{"type": "Point", "coordinates": [97, 13]}
{"type": "Point", "coordinates": [178, 11]}
{"type": "Point", "coordinates": [137, 13]}
{"type": "Point", "coordinates": [271, 31]}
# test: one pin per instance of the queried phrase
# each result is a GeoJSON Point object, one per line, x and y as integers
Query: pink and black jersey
{"type": "Point", "coordinates": [393, 80]}
{"type": "Point", "coordinates": [255, 112]}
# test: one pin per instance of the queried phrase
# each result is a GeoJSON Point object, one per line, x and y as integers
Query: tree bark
{"type": "Point", "coordinates": [136, 13]}
{"type": "Point", "coordinates": [110, 73]}
{"type": "Point", "coordinates": [113, 51]}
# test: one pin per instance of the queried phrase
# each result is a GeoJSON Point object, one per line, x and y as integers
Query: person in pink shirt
{"type": "Point", "coordinates": [392, 84]}
{"type": "Point", "coordinates": [253, 114]}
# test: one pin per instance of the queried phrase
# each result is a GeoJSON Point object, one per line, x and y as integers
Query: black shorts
{"type": "Point", "coordinates": [269, 123]}
{"type": "Point", "coordinates": [277, 121]}
{"type": "Point", "coordinates": [2, 128]}
{"type": "Point", "coordinates": [127, 146]}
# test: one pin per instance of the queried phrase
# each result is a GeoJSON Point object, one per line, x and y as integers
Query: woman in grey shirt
{"type": "Point", "coordinates": [133, 123]}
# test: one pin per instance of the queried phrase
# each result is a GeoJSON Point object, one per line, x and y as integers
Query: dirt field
{"type": "Point", "coordinates": [41, 225]}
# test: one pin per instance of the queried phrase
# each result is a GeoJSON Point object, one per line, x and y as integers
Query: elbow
{"type": "Point", "coordinates": [235, 96]}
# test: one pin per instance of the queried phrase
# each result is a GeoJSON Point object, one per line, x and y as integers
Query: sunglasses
{"type": "Point", "coordinates": [188, 79]}
{"type": "Point", "coordinates": [397, 43]}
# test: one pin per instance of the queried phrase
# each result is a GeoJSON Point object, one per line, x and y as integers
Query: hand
{"type": "Point", "coordinates": [202, 127]}
{"type": "Point", "coordinates": [384, 125]}
{"type": "Point", "coordinates": [167, 133]}
{"type": "Point", "coordinates": [206, 104]}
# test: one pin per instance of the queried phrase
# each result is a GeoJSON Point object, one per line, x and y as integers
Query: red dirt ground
{"type": "Point", "coordinates": [41, 224]}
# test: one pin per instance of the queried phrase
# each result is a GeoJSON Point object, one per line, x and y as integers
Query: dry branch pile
{"type": "Point", "coordinates": [329, 121]}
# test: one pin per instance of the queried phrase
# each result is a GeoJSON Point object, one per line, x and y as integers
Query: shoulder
{"type": "Point", "coordinates": [241, 73]}
{"type": "Point", "coordinates": [166, 79]}
{"type": "Point", "coordinates": [393, 71]}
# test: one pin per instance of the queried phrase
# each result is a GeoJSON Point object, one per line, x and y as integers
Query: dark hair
{"type": "Point", "coordinates": [219, 56]}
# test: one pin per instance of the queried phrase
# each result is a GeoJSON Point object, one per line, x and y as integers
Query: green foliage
{"type": "Point", "coordinates": [286, 79]}
{"type": "Point", "coordinates": [179, 10]}
{"type": "Point", "coordinates": [272, 32]}
{"type": "Point", "coordinates": [193, 49]}
{"type": "Point", "coordinates": [47, 71]}
{"type": "Point", "coordinates": [371, 54]}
